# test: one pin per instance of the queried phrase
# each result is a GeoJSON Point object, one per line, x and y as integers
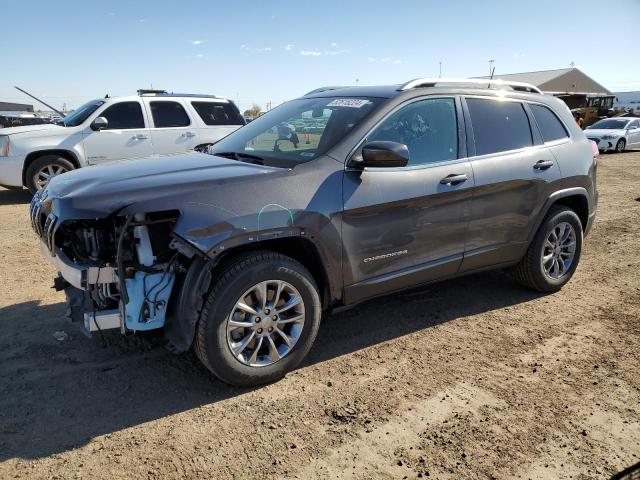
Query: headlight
{"type": "Point", "coordinates": [4, 145]}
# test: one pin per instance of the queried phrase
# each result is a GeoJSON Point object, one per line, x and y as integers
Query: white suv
{"type": "Point", "coordinates": [152, 123]}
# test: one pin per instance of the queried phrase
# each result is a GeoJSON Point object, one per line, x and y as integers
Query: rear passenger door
{"type": "Point", "coordinates": [515, 172]}
{"type": "Point", "coordinates": [172, 129]}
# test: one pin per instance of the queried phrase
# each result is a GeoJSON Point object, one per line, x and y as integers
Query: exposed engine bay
{"type": "Point", "coordinates": [117, 272]}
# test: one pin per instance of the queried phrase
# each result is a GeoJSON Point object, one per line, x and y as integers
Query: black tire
{"type": "Point", "coordinates": [42, 162]}
{"type": "Point", "coordinates": [530, 272]}
{"type": "Point", "coordinates": [621, 145]}
{"type": "Point", "coordinates": [235, 278]}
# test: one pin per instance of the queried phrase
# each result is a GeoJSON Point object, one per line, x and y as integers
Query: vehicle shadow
{"type": "Point", "coordinates": [14, 197]}
{"type": "Point", "coordinates": [58, 393]}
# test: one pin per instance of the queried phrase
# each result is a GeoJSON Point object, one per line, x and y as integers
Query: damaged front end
{"type": "Point", "coordinates": [118, 272]}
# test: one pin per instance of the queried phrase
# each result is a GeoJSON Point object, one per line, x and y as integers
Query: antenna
{"type": "Point", "coordinates": [38, 100]}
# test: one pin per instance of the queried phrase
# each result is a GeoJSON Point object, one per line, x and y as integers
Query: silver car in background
{"type": "Point", "coordinates": [615, 134]}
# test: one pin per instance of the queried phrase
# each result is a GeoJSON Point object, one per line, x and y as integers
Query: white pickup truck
{"type": "Point", "coordinates": [152, 123]}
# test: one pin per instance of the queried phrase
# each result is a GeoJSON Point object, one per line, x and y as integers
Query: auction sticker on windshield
{"type": "Point", "coordinates": [348, 102]}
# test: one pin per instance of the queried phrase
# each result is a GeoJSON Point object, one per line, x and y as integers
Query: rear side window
{"type": "Point", "coordinates": [550, 126]}
{"type": "Point", "coordinates": [169, 114]}
{"type": "Point", "coordinates": [218, 113]}
{"type": "Point", "coordinates": [498, 126]}
{"type": "Point", "coordinates": [123, 116]}
{"type": "Point", "coordinates": [427, 127]}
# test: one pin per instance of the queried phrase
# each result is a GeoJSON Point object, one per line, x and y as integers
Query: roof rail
{"type": "Point", "coordinates": [323, 89]}
{"type": "Point", "coordinates": [164, 93]}
{"type": "Point", "coordinates": [497, 83]}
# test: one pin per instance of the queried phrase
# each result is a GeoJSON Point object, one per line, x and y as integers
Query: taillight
{"type": "Point", "coordinates": [594, 148]}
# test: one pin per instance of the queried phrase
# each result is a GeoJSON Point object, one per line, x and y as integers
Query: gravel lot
{"type": "Point", "coordinates": [471, 378]}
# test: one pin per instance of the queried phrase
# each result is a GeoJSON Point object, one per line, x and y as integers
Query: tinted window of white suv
{"type": "Point", "coordinates": [498, 126]}
{"type": "Point", "coordinates": [217, 113]}
{"type": "Point", "coordinates": [550, 127]}
{"type": "Point", "coordinates": [169, 114]}
{"type": "Point", "coordinates": [124, 115]}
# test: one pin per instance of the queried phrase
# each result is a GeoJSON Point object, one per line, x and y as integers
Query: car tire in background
{"type": "Point", "coordinates": [621, 145]}
{"type": "Point", "coordinates": [42, 169]}
{"type": "Point", "coordinates": [554, 253]}
{"type": "Point", "coordinates": [259, 320]}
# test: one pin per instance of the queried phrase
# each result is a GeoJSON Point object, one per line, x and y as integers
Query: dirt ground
{"type": "Point", "coordinates": [471, 378]}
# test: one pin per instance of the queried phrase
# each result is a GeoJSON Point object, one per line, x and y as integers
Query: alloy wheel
{"type": "Point", "coordinates": [265, 323]}
{"type": "Point", "coordinates": [43, 176]}
{"type": "Point", "coordinates": [559, 250]}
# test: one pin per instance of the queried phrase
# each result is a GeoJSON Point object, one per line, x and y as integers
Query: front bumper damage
{"type": "Point", "coordinates": [95, 291]}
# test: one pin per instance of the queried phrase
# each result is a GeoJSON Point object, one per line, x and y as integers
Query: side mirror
{"type": "Point", "coordinates": [100, 123]}
{"type": "Point", "coordinates": [382, 154]}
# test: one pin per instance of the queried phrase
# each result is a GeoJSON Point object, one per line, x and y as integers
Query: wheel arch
{"type": "Point", "coordinates": [197, 282]}
{"type": "Point", "coordinates": [33, 156]}
{"type": "Point", "coordinates": [575, 198]}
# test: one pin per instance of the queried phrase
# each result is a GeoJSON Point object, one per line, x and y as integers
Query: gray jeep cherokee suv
{"type": "Point", "coordinates": [336, 197]}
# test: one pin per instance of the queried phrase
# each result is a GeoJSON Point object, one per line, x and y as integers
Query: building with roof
{"type": "Point", "coordinates": [15, 107]}
{"type": "Point", "coordinates": [563, 80]}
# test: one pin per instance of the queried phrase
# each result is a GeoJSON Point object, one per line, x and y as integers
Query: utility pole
{"type": "Point", "coordinates": [440, 69]}
{"type": "Point", "coordinates": [491, 62]}
{"type": "Point", "coordinates": [357, 81]}
{"type": "Point", "coordinates": [572, 64]}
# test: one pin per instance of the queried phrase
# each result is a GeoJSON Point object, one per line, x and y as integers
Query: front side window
{"type": "Point", "coordinates": [498, 126]}
{"type": "Point", "coordinates": [297, 131]}
{"type": "Point", "coordinates": [550, 126]}
{"type": "Point", "coordinates": [123, 116]}
{"type": "Point", "coordinates": [217, 113]}
{"type": "Point", "coordinates": [169, 114]}
{"type": "Point", "coordinates": [427, 127]}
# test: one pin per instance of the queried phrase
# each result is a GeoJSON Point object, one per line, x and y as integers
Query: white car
{"type": "Point", "coordinates": [152, 123]}
{"type": "Point", "coordinates": [615, 134]}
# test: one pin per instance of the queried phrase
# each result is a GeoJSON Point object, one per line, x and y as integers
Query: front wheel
{"type": "Point", "coordinates": [259, 320]}
{"type": "Point", "coordinates": [554, 253]}
{"type": "Point", "coordinates": [621, 145]}
{"type": "Point", "coordinates": [43, 169]}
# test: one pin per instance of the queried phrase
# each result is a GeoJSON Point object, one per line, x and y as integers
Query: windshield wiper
{"type": "Point", "coordinates": [241, 157]}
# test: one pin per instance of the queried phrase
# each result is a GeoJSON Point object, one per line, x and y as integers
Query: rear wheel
{"type": "Point", "coordinates": [259, 320]}
{"type": "Point", "coordinates": [554, 253]}
{"type": "Point", "coordinates": [43, 169]}
{"type": "Point", "coordinates": [621, 145]}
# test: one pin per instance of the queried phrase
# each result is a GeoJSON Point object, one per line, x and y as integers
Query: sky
{"type": "Point", "coordinates": [69, 52]}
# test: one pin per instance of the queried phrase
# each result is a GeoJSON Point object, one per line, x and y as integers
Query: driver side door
{"type": "Point", "coordinates": [126, 135]}
{"type": "Point", "coordinates": [404, 226]}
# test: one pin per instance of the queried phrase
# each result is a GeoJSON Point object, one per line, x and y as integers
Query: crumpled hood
{"type": "Point", "coordinates": [600, 132]}
{"type": "Point", "coordinates": [30, 128]}
{"type": "Point", "coordinates": [150, 184]}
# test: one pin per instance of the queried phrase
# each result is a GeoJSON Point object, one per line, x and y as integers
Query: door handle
{"type": "Point", "coordinates": [188, 134]}
{"type": "Point", "coordinates": [543, 164]}
{"type": "Point", "coordinates": [453, 179]}
{"type": "Point", "coordinates": [139, 136]}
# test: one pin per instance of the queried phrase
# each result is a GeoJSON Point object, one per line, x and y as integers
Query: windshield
{"type": "Point", "coordinates": [610, 124]}
{"type": "Point", "coordinates": [297, 131]}
{"type": "Point", "coordinates": [80, 114]}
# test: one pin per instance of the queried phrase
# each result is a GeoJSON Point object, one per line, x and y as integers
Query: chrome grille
{"type": "Point", "coordinates": [50, 228]}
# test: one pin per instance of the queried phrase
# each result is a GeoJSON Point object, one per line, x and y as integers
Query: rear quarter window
{"type": "Point", "coordinates": [498, 126]}
{"type": "Point", "coordinates": [551, 128]}
{"type": "Point", "coordinates": [213, 113]}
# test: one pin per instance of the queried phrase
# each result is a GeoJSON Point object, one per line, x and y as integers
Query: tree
{"type": "Point", "coordinates": [254, 111]}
